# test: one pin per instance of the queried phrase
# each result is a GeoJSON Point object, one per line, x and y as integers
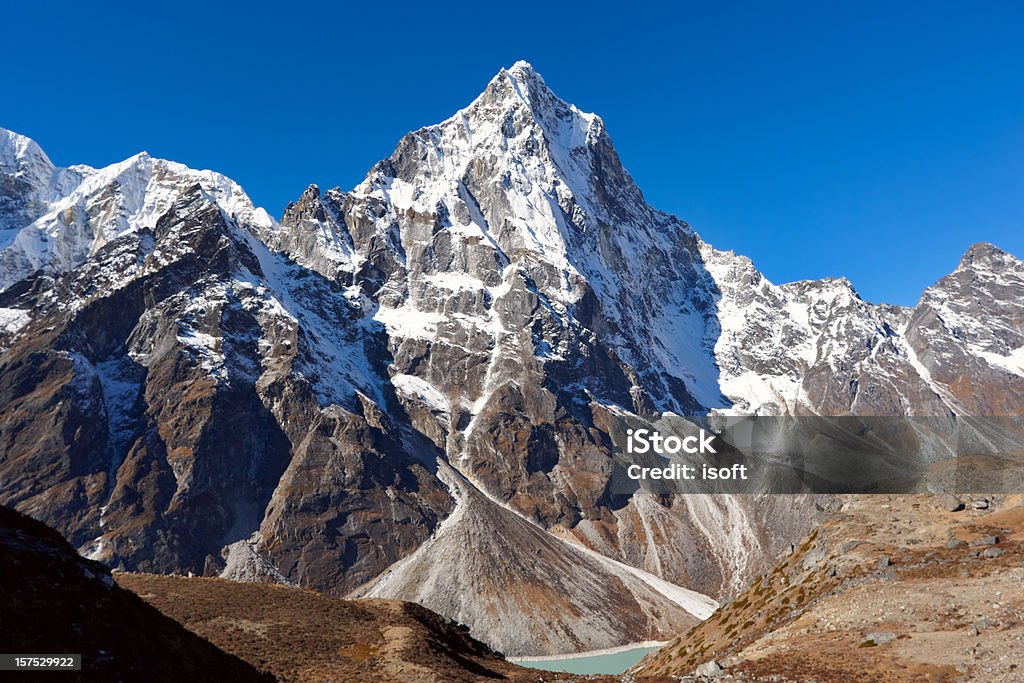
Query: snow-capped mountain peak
{"type": "Point", "coordinates": [431, 367]}
{"type": "Point", "coordinates": [520, 85]}
{"type": "Point", "coordinates": [54, 218]}
{"type": "Point", "coordinates": [989, 258]}
{"type": "Point", "coordinates": [23, 159]}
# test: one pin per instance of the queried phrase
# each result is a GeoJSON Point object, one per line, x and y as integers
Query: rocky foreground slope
{"type": "Point", "coordinates": [53, 602]}
{"type": "Point", "coordinates": [306, 637]}
{"type": "Point", "coordinates": [890, 588]}
{"type": "Point", "coordinates": [143, 627]}
{"type": "Point", "coordinates": [437, 356]}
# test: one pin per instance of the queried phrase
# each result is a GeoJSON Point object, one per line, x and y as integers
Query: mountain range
{"type": "Point", "coordinates": [408, 390]}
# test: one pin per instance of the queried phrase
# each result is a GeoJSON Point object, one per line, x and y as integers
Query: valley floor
{"type": "Point", "coordinates": [889, 588]}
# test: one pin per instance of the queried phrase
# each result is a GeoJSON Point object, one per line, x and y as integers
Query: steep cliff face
{"type": "Point", "coordinates": [185, 384]}
{"type": "Point", "coordinates": [395, 373]}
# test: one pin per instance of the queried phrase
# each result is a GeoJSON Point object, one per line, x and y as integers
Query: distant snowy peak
{"type": "Point", "coordinates": [68, 214]}
{"type": "Point", "coordinates": [812, 346]}
{"type": "Point", "coordinates": [987, 258]}
{"type": "Point", "coordinates": [27, 180]}
{"type": "Point", "coordinates": [549, 156]}
{"type": "Point", "coordinates": [520, 194]}
{"type": "Point", "coordinates": [521, 90]}
{"type": "Point", "coordinates": [981, 298]}
{"type": "Point", "coordinates": [22, 158]}
{"type": "Point", "coordinates": [816, 346]}
{"type": "Point", "coordinates": [968, 333]}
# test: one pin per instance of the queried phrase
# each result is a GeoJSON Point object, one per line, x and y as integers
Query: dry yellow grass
{"type": "Point", "coordinates": [306, 637]}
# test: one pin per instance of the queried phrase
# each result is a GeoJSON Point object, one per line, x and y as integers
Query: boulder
{"type": "Point", "coordinates": [985, 540]}
{"type": "Point", "coordinates": [950, 503]}
{"type": "Point", "coordinates": [710, 669]}
{"type": "Point", "coordinates": [878, 638]}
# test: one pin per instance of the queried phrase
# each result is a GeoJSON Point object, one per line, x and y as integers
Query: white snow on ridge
{"type": "Point", "coordinates": [408, 322]}
{"type": "Point", "coordinates": [339, 361]}
{"type": "Point", "coordinates": [207, 349]}
{"type": "Point", "coordinates": [1011, 362]}
{"type": "Point", "coordinates": [455, 281]}
{"type": "Point", "coordinates": [13, 319]}
{"type": "Point", "coordinates": [420, 389]}
{"type": "Point", "coordinates": [531, 191]}
{"type": "Point", "coordinates": [86, 208]}
{"type": "Point", "coordinates": [744, 306]}
{"type": "Point", "coordinates": [22, 157]}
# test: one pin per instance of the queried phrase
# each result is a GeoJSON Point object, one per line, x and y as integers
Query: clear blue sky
{"type": "Point", "coordinates": [871, 140]}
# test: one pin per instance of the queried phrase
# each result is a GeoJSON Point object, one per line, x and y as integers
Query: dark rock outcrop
{"type": "Point", "coordinates": [56, 602]}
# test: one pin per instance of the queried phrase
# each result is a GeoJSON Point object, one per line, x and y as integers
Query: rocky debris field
{"type": "Point", "coordinates": [892, 588]}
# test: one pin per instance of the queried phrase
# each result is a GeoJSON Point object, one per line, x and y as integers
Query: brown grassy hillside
{"type": "Point", "coordinates": [306, 637]}
{"type": "Point", "coordinates": [891, 589]}
{"type": "Point", "coordinates": [52, 601]}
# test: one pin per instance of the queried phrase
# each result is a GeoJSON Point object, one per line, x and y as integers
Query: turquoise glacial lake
{"type": "Point", "coordinates": [614, 663]}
